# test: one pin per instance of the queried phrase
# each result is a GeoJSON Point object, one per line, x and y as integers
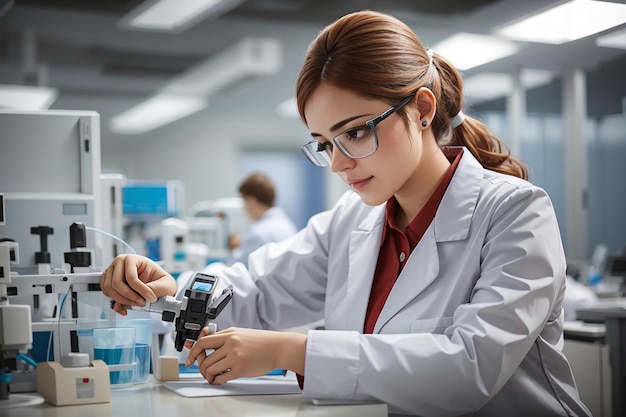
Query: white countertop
{"type": "Point", "coordinates": [152, 399]}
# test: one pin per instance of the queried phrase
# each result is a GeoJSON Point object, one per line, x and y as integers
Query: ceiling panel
{"type": "Point", "coordinates": [82, 41]}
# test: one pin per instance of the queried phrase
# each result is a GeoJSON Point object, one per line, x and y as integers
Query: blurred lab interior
{"type": "Point", "coordinates": [127, 125]}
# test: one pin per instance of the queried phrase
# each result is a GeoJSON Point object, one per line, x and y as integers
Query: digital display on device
{"type": "Point", "coordinates": [202, 286]}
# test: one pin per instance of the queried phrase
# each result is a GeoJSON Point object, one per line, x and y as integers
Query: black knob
{"type": "Point", "coordinates": [43, 256]}
{"type": "Point", "coordinates": [78, 235]}
{"type": "Point", "coordinates": [78, 241]}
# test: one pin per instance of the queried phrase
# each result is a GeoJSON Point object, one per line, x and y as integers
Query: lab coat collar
{"type": "Point", "coordinates": [453, 218]}
{"type": "Point", "coordinates": [454, 215]}
{"type": "Point", "coordinates": [374, 220]}
{"type": "Point", "coordinates": [452, 222]}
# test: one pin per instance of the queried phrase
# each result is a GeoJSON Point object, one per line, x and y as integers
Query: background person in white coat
{"type": "Point", "coordinates": [269, 223]}
{"type": "Point", "coordinates": [440, 276]}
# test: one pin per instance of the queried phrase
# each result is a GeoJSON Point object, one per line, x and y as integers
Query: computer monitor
{"type": "Point", "coordinates": [151, 199]}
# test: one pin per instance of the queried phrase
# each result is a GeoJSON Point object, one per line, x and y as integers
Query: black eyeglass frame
{"type": "Point", "coordinates": [320, 158]}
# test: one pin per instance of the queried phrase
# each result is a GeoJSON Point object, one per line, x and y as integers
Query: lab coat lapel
{"type": "Point", "coordinates": [362, 258]}
{"type": "Point", "coordinates": [420, 271]}
{"type": "Point", "coordinates": [452, 222]}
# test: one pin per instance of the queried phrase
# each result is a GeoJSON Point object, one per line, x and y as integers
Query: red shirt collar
{"type": "Point", "coordinates": [415, 230]}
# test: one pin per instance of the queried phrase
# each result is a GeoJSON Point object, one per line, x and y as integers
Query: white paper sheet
{"type": "Point", "coordinates": [241, 386]}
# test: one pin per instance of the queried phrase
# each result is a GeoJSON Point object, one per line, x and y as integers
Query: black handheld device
{"type": "Point", "coordinates": [201, 304]}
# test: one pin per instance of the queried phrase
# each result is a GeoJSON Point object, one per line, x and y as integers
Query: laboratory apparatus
{"type": "Point", "coordinates": [41, 292]}
{"type": "Point", "coordinates": [202, 301]}
{"type": "Point", "coordinates": [15, 334]}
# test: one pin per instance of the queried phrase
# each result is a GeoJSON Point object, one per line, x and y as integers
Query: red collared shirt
{"type": "Point", "coordinates": [398, 245]}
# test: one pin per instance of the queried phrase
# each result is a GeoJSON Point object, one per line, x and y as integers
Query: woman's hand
{"type": "Point", "coordinates": [246, 353]}
{"type": "Point", "coordinates": [130, 280]}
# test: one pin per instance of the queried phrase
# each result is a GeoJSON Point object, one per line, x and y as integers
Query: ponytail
{"type": "Point", "coordinates": [491, 152]}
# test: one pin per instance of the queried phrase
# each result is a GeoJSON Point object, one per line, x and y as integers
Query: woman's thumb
{"type": "Point", "coordinates": [160, 288]}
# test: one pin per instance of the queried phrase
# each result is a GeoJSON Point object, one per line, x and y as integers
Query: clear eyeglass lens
{"type": "Point", "coordinates": [357, 142]}
{"type": "Point", "coordinates": [317, 157]}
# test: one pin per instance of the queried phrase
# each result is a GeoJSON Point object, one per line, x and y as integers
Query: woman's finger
{"type": "Point", "coordinates": [120, 308]}
{"type": "Point", "coordinates": [129, 284]}
{"type": "Point", "coordinates": [203, 343]}
{"type": "Point", "coordinates": [108, 289]}
{"type": "Point", "coordinates": [212, 360]}
{"type": "Point", "coordinates": [223, 377]}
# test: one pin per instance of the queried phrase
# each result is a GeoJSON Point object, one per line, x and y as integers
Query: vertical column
{"type": "Point", "coordinates": [516, 111]}
{"type": "Point", "coordinates": [574, 121]}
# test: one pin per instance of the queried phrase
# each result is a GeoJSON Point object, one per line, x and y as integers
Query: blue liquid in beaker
{"type": "Point", "coordinates": [117, 356]}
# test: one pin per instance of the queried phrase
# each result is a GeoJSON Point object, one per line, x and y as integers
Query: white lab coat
{"type": "Point", "coordinates": [273, 226]}
{"type": "Point", "coordinates": [473, 325]}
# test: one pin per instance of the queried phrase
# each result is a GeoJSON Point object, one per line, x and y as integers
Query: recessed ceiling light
{"type": "Point", "coordinates": [615, 39]}
{"type": "Point", "coordinates": [487, 86]}
{"type": "Point", "coordinates": [567, 22]}
{"type": "Point", "coordinates": [468, 50]}
{"type": "Point", "coordinates": [157, 111]}
{"type": "Point", "coordinates": [25, 97]}
{"type": "Point", "coordinates": [174, 15]}
{"type": "Point", "coordinates": [186, 93]}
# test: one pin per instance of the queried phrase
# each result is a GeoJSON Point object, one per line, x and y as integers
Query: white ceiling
{"type": "Point", "coordinates": [79, 47]}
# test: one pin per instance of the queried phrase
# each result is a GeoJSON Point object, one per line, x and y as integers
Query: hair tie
{"type": "Point", "coordinates": [457, 120]}
{"type": "Point", "coordinates": [431, 71]}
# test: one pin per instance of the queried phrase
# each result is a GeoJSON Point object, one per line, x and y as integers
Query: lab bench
{"type": "Point", "coordinates": [152, 399]}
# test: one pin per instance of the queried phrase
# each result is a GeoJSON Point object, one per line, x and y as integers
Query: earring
{"type": "Point", "coordinates": [424, 123]}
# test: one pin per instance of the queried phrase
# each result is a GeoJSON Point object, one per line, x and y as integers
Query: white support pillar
{"type": "Point", "coordinates": [575, 150]}
{"type": "Point", "coordinates": [516, 111]}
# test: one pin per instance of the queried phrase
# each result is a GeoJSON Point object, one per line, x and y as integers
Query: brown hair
{"type": "Point", "coordinates": [380, 57]}
{"type": "Point", "coordinates": [259, 186]}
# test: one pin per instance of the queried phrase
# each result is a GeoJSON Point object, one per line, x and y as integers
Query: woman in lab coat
{"type": "Point", "coordinates": [440, 275]}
